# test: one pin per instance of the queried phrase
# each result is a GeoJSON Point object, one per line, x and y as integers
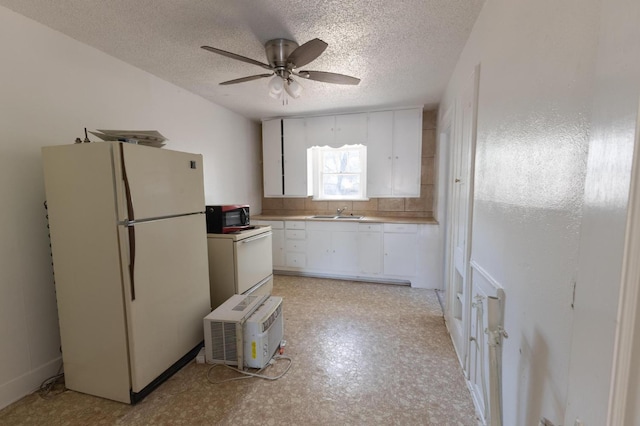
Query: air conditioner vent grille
{"type": "Point", "coordinates": [245, 303]}
{"type": "Point", "coordinates": [267, 323]}
{"type": "Point", "coordinates": [230, 347]}
{"type": "Point", "coordinates": [223, 336]}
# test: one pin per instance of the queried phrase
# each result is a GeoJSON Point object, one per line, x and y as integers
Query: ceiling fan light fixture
{"type": "Point", "coordinates": [285, 56]}
{"type": "Point", "coordinates": [276, 86]}
{"type": "Point", "coordinates": [293, 88]}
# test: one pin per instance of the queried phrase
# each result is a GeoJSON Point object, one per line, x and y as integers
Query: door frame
{"type": "Point", "coordinates": [627, 341]}
{"type": "Point", "coordinates": [474, 80]}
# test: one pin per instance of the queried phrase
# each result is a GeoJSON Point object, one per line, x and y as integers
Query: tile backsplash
{"type": "Point", "coordinates": [405, 207]}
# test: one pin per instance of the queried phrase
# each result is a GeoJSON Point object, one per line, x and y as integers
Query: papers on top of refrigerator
{"type": "Point", "coordinates": [141, 137]}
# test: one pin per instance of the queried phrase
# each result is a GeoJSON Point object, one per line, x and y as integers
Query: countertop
{"type": "Point", "coordinates": [365, 219]}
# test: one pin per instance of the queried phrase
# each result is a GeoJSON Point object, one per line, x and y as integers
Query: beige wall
{"type": "Point", "coordinates": [406, 207]}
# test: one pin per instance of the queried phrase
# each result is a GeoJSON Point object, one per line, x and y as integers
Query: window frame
{"type": "Point", "coordinates": [317, 163]}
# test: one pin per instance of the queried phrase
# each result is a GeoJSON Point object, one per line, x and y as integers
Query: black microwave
{"type": "Point", "coordinates": [227, 218]}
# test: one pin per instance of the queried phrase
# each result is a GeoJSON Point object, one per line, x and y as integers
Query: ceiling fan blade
{"type": "Point", "coordinates": [243, 79]}
{"type": "Point", "coordinates": [329, 77]}
{"type": "Point", "coordinates": [307, 52]}
{"type": "Point", "coordinates": [234, 56]}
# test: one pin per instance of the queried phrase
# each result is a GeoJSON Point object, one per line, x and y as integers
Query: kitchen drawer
{"type": "Point", "coordinates": [275, 224]}
{"type": "Point", "coordinates": [296, 245]}
{"type": "Point", "coordinates": [401, 228]}
{"type": "Point", "coordinates": [296, 224]}
{"type": "Point", "coordinates": [296, 260]}
{"type": "Point", "coordinates": [294, 234]}
{"type": "Point", "coordinates": [370, 227]}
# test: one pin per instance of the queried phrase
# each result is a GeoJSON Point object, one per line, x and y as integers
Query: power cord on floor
{"type": "Point", "coordinates": [249, 375]}
{"type": "Point", "coordinates": [46, 387]}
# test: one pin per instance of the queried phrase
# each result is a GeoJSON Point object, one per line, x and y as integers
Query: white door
{"type": "Point", "coordinates": [461, 213]}
{"type": "Point", "coordinates": [169, 293]}
{"type": "Point", "coordinates": [272, 158]}
{"type": "Point", "coordinates": [160, 182]}
{"type": "Point", "coordinates": [445, 152]}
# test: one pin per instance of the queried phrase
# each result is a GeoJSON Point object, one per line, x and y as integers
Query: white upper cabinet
{"type": "Point", "coordinates": [351, 129]}
{"type": "Point", "coordinates": [394, 147]}
{"type": "Point", "coordinates": [407, 152]}
{"type": "Point", "coordinates": [272, 158]}
{"type": "Point", "coordinates": [294, 144]}
{"type": "Point", "coordinates": [394, 150]}
{"type": "Point", "coordinates": [379, 154]}
{"type": "Point", "coordinates": [338, 130]}
{"type": "Point", "coordinates": [284, 158]}
{"type": "Point", "coordinates": [320, 130]}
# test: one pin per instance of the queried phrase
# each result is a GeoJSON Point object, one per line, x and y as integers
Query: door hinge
{"type": "Point", "coordinates": [573, 297]}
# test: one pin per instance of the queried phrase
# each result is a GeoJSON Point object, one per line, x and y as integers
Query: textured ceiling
{"type": "Point", "coordinates": [403, 50]}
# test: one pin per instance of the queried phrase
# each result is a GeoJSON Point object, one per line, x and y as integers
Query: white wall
{"type": "Point", "coordinates": [51, 87]}
{"type": "Point", "coordinates": [613, 126]}
{"type": "Point", "coordinates": [540, 62]}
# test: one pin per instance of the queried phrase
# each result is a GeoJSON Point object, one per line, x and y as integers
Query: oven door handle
{"type": "Point", "coordinates": [257, 237]}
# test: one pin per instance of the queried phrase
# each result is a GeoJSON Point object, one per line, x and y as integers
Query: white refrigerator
{"type": "Point", "coordinates": [129, 247]}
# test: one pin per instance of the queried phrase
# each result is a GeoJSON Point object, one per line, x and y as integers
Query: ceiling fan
{"type": "Point", "coordinates": [285, 57]}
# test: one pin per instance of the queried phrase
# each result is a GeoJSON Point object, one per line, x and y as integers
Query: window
{"type": "Point", "coordinates": [339, 173]}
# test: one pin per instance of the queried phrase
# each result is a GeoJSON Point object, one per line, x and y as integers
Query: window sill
{"type": "Point", "coordinates": [339, 199]}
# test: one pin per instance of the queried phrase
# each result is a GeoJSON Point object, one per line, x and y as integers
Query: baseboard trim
{"type": "Point", "coordinates": [27, 383]}
{"type": "Point", "coordinates": [343, 277]}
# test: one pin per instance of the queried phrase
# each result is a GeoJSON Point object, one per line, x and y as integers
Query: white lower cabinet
{"type": "Point", "coordinates": [370, 248]}
{"type": "Point", "coordinates": [393, 252]}
{"type": "Point", "coordinates": [400, 249]}
{"type": "Point", "coordinates": [332, 247]}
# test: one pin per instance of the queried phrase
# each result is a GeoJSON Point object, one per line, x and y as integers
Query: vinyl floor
{"type": "Point", "coordinates": [363, 354]}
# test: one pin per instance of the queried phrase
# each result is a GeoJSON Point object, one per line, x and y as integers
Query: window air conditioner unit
{"type": "Point", "coordinates": [245, 331]}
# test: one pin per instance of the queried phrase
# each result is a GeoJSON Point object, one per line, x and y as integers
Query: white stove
{"type": "Point", "coordinates": [240, 263]}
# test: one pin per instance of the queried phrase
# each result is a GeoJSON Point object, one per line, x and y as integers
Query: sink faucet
{"type": "Point", "coordinates": [339, 211]}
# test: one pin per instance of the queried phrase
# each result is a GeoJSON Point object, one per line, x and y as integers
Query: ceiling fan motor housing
{"type": "Point", "coordinates": [278, 50]}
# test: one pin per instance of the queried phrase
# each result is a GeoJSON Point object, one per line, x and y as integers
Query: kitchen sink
{"type": "Point", "coordinates": [332, 216]}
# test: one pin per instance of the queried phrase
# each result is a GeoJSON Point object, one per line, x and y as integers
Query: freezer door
{"type": "Point", "coordinates": [169, 294]}
{"type": "Point", "coordinates": [159, 182]}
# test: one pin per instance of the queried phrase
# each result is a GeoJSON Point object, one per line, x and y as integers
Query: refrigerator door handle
{"type": "Point", "coordinates": [132, 259]}
{"type": "Point", "coordinates": [132, 231]}
{"type": "Point", "coordinates": [127, 188]}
